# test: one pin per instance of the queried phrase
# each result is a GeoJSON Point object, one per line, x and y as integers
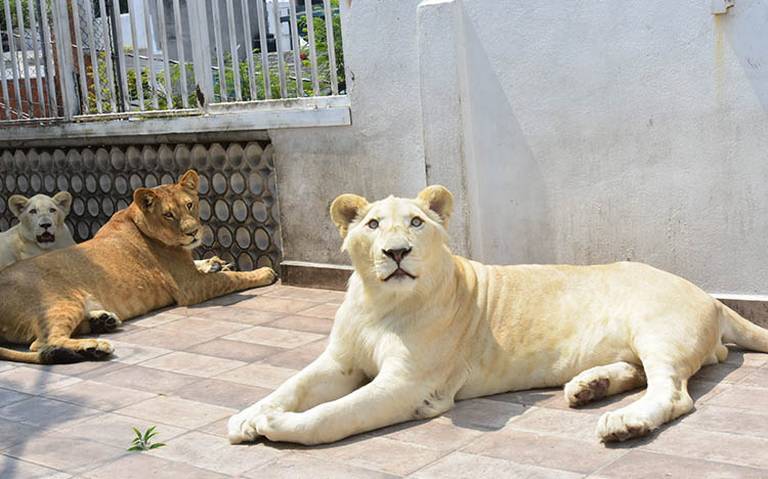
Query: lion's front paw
{"type": "Point", "coordinates": [622, 425]}
{"type": "Point", "coordinates": [242, 426]}
{"type": "Point", "coordinates": [265, 276]}
{"type": "Point", "coordinates": [213, 265]}
{"type": "Point", "coordinates": [287, 427]}
{"type": "Point", "coordinates": [240, 429]}
{"type": "Point", "coordinates": [97, 349]}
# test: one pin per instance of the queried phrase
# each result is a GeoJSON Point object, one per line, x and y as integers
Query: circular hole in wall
{"type": "Point", "coordinates": [121, 185]}
{"type": "Point", "coordinates": [261, 238]}
{"type": "Point", "coordinates": [243, 237]}
{"type": "Point", "coordinates": [221, 210]}
{"type": "Point", "coordinates": [219, 183]}
{"type": "Point", "coordinates": [205, 210]}
{"type": "Point", "coordinates": [239, 210]}
{"type": "Point", "coordinates": [225, 237]}
{"type": "Point", "coordinates": [49, 183]}
{"type": "Point", "coordinates": [90, 184]}
{"type": "Point", "coordinates": [22, 183]}
{"type": "Point", "coordinates": [105, 183]}
{"type": "Point", "coordinates": [260, 212]}
{"type": "Point", "coordinates": [77, 183]}
{"type": "Point", "coordinates": [237, 182]}
{"type": "Point", "coordinates": [244, 262]}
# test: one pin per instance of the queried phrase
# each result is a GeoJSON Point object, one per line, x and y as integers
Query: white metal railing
{"type": "Point", "coordinates": [105, 59]}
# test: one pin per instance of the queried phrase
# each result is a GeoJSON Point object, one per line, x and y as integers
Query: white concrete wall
{"type": "Point", "coordinates": [614, 130]}
{"type": "Point", "coordinates": [380, 154]}
{"type": "Point", "coordinates": [578, 132]}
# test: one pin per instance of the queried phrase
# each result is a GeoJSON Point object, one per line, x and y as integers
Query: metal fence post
{"type": "Point", "coordinates": [66, 65]}
{"type": "Point", "coordinates": [201, 48]}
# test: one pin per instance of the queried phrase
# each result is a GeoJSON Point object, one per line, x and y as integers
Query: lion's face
{"type": "Point", "coordinates": [170, 213]}
{"type": "Point", "coordinates": [396, 243]}
{"type": "Point", "coordinates": [41, 217]}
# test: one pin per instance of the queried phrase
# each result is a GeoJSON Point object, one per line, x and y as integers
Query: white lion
{"type": "Point", "coordinates": [420, 328]}
{"type": "Point", "coordinates": [41, 227]}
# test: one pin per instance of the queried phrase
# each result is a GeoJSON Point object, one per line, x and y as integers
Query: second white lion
{"type": "Point", "coordinates": [40, 229]}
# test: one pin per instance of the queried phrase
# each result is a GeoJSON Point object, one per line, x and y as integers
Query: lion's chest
{"type": "Point", "coordinates": [370, 342]}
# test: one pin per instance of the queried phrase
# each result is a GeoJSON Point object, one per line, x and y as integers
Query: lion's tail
{"type": "Point", "coordinates": [739, 330]}
{"type": "Point", "coordinates": [21, 356]}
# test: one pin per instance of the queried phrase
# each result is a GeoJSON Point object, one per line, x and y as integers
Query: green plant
{"type": "Point", "coordinates": [143, 442]}
{"type": "Point", "coordinates": [321, 45]}
{"type": "Point", "coordinates": [14, 15]}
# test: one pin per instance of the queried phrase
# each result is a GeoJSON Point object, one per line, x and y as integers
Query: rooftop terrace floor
{"type": "Point", "coordinates": [187, 370]}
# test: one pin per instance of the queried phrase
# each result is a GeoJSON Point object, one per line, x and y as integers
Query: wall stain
{"type": "Point", "coordinates": [719, 61]}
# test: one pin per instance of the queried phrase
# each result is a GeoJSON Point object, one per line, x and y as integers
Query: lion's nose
{"type": "Point", "coordinates": [397, 254]}
{"type": "Point", "coordinates": [46, 225]}
{"type": "Point", "coordinates": [193, 232]}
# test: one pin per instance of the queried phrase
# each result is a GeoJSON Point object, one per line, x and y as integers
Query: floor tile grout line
{"type": "Point", "coordinates": [29, 461]}
{"type": "Point", "coordinates": [596, 471]}
{"type": "Point", "coordinates": [649, 448]}
{"type": "Point", "coordinates": [123, 413]}
{"type": "Point", "coordinates": [203, 468]}
{"type": "Point", "coordinates": [533, 466]}
{"type": "Point", "coordinates": [29, 396]}
{"type": "Point", "coordinates": [54, 427]}
{"type": "Point", "coordinates": [184, 430]}
{"type": "Point", "coordinates": [304, 454]}
{"type": "Point", "coordinates": [144, 365]}
{"type": "Point", "coordinates": [154, 395]}
{"type": "Point", "coordinates": [86, 468]}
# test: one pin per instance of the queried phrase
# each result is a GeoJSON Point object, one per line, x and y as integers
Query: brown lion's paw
{"type": "Point", "coordinates": [60, 355]}
{"type": "Point", "coordinates": [96, 350]}
{"type": "Point", "coordinates": [270, 274]}
{"type": "Point", "coordinates": [95, 354]}
{"type": "Point", "coordinates": [91, 350]}
{"type": "Point", "coordinates": [213, 265]}
{"type": "Point", "coordinates": [104, 322]}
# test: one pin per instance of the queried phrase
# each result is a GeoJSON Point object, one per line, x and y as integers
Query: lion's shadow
{"type": "Point", "coordinates": [492, 413]}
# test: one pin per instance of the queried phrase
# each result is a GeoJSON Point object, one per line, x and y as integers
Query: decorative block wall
{"type": "Point", "coordinates": [238, 198]}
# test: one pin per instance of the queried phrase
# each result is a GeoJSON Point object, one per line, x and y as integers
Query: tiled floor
{"type": "Point", "coordinates": [186, 370]}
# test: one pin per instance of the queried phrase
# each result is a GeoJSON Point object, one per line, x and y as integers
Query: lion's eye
{"type": "Point", "coordinates": [168, 215]}
{"type": "Point", "coordinates": [52, 210]}
{"type": "Point", "coordinates": [33, 211]}
{"type": "Point", "coordinates": [189, 206]}
{"type": "Point", "coordinates": [373, 224]}
{"type": "Point", "coordinates": [416, 222]}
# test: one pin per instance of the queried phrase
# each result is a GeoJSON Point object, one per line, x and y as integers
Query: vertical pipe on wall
{"type": "Point", "coordinates": [180, 48]}
{"type": "Point", "coordinates": [264, 47]}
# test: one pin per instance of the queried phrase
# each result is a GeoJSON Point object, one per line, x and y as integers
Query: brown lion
{"type": "Point", "coordinates": [139, 261]}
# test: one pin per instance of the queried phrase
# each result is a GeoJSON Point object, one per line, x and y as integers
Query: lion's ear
{"type": "Point", "coordinates": [145, 198]}
{"type": "Point", "coordinates": [438, 199]}
{"type": "Point", "coordinates": [17, 203]}
{"type": "Point", "coordinates": [345, 209]}
{"type": "Point", "coordinates": [64, 200]}
{"type": "Point", "coordinates": [190, 181]}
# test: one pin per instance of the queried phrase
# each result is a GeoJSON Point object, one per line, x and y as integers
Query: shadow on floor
{"type": "Point", "coordinates": [700, 385]}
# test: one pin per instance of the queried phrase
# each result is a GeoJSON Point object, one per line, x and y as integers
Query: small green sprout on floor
{"type": "Point", "coordinates": [143, 442]}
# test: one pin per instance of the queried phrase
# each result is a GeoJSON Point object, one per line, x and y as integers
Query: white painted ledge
{"type": "Point", "coordinates": [756, 298]}
{"type": "Point", "coordinates": [221, 117]}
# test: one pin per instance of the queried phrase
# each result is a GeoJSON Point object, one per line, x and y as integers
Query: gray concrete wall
{"type": "Point", "coordinates": [575, 132]}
